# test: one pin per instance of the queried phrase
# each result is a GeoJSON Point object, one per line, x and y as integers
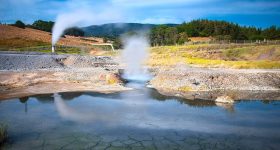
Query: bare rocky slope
{"type": "Point", "coordinates": [204, 83]}
{"type": "Point", "coordinates": [35, 73]}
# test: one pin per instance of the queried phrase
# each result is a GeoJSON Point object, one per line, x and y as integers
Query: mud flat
{"type": "Point", "coordinates": [204, 83]}
{"type": "Point", "coordinates": [23, 74]}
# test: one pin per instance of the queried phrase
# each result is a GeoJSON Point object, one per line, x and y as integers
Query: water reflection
{"type": "Point", "coordinates": [24, 100]}
{"type": "Point", "coordinates": [142, 118]}
{"type": "Point", "coordinates": [140, 93]}
{"type": "Point", "coordinates": [45, 98]}
{"type": "Point", "coordinates": [141, 108]}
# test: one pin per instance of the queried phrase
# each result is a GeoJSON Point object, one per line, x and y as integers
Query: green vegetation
{"type": "Point", "coordinates": [47, 49]}
{"type": "Point", "coordinates": [19, 24]}
{"type": "Point", "coordinates": [42, 25]}
{"type": "Point", "coordinates": [19, 43]}
{"type": "Point", "coordinates": [220, 30]}
{"type": "Point", "coordinates": [48, 25]}
{"type": "Point", "coordinates": [74, 32]}
{"type": "Point", "coordinates": [3, 133]}
{"type": "Point", "coordinates": [164, 35]}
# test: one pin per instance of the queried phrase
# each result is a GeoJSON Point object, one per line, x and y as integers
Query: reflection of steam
{"type": "Point", "coordinates": [68, 112]}
{"type": "Point", "coordinates": [134, 55]}
{"type": "Point", "coordinates": [138, 110]}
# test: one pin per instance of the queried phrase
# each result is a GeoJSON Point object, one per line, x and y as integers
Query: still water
{"type": "Point", "coordinates": [138, 119]}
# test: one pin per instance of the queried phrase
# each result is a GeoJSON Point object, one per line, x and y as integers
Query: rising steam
{"type": "Point", "coordinates": [134, 55]}
{"type": "Point", "coordinates": [81, 18]}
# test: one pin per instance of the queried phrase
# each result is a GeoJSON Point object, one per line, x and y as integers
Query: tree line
{"type": "Point", "coordinates": [47, 26]}
{"type": "Point", "coordinates": [220, 30]}
{"type": "Point", "coordinates": [179, 34]}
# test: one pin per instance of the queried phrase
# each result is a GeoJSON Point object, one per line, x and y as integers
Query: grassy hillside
{"type": "Point", "coordinates": [216, 55]}
{"type": "Point", "coordinates": [18, 39]}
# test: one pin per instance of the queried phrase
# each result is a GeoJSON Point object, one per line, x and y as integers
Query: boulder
{"type": "Point", "coordinates": [224, 99]}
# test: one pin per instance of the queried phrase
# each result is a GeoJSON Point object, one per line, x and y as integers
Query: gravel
{"type": "Point", "coordinates": [187, 79]}
{"type": "Point", "coordinates": [15, 61]}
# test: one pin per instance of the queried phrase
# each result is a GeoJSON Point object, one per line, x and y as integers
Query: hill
{"type": "Point", "coordinates": [116, 29]}
{"type": "Point", "coordinates": [14, 37]}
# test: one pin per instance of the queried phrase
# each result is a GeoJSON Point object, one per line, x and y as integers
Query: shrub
{"type": "Point", "coordinates": [43, 25]}
{"type": "Point", "coordinates": [19, 24]}
{"type": "Point", "coordinates": [74, 32]}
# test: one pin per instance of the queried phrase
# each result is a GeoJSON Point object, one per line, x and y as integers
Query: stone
{"type": "Point", "coordinates": [224, 99]}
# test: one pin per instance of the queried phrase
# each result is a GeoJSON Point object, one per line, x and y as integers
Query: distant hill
{"type": "Point", "coordinates": [116, 29]}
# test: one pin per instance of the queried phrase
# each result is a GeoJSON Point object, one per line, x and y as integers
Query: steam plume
{"type": "Point", "coordinates": [134, 55]}
{"type": "Point", "coordinates": [81, 18]}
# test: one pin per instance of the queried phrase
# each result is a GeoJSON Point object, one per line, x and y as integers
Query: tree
{"type": "Point", "coordinates": [19, 24]}
{"type": "Point", "coordinates": [105, 39]}
{"type": "Point", "coordinates": [75, 31]}
{"type": "Point", "coordinates": [183, 37]}
{"type": "Point", "coordinates": [170, 36]}
{"type": "Point", "coordinates": [271, 33]}
{"type": "Point", "coordinates": [43, 25]}
{"type": "Point", "coordinates": [117, 43]}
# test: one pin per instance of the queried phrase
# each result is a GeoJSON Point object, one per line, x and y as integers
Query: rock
{"type": "Point", "coordinates": [224, 99]}
{"type": "Point", "coordinates": [112, 79]}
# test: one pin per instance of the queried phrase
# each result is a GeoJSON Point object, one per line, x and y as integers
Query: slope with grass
{"type": "Point", "coordinates": [13, 38]}
{"type": "Point", "coordinates": [238, 56]}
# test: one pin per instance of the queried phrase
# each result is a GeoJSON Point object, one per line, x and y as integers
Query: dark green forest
{"type": "Point", "coordinates": [220, 30]}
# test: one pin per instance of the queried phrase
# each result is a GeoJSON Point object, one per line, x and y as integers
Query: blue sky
{"type": "Point", "coordinates": [260, 13]}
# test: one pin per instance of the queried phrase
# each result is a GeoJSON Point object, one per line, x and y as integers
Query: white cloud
{"type": "Point", "coordinates": [144, 11]}
{"type": "Point", "coordinates": [157, 20]}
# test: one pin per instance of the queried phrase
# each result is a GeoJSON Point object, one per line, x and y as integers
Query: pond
{"type": "Point", "coordinates": [138, 119]}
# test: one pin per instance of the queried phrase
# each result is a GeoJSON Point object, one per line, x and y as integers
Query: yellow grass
{"type": "Point", "coordinates": [234, 64]}
{"type": "Point", "coordinates": [240, 57]}
{"type": "Point", "coordinates": [185, 89]}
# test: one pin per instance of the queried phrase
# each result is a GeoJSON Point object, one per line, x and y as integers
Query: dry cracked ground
{"type": "Point", "coordinates": [153, 141]}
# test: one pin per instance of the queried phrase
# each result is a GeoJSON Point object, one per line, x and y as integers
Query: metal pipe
{"type": "Point", "coordinates": [53, 49]}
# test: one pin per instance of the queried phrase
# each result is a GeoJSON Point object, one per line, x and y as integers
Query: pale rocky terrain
{"type": "Point", "coordinates": [35, 73]}
{"type": "Point", "coordinates": [210, 83]}
{"type": "Point", "coordinates": [30, 73]}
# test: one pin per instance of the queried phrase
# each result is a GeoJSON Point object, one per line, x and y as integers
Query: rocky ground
{"type": "Point", "coordinates": [206, 83]}
{"type": "Point", "coordinates": [34, 73]}
{"type": "Point", "coordinates": [28, 73]}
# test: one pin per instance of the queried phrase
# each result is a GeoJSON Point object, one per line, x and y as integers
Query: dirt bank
{"type": "Point", "coordinates": [34, 73]}
{"type": "Point", "coordinates": [203, 83]}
